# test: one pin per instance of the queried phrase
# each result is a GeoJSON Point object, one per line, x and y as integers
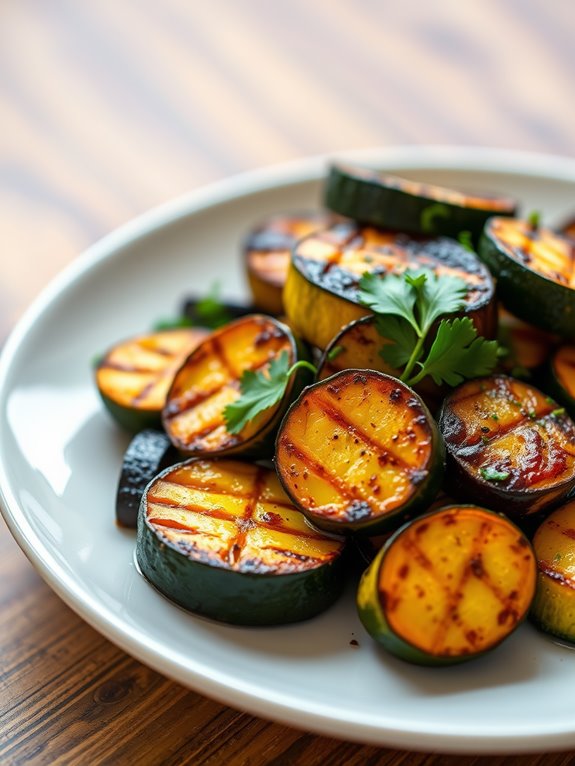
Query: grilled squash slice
{"type": "Point", "coordinates": [527, 346]}
{"type": "Point", "coordinates": [448, 586]}
{"type": "Point", "coordinates": [321, 292]}
{"type": "Point", "coordinates": [383, 200]}
{"type": "Point", "coordinates": [554, 543]}
{"type": "Point", "coordinates": [134, 376]}
{"type": "Point", "coordinates": [209, 380]}
{"type": "Point", "coordinates": [358, 346]}
{"type": "Point", "coordinates": [561, 377]}
{"type": "Point", "coordinates": [535, 271]}
{"type": "Point", "coordinates": [221, 539]}
{"type": "Point", "coordinates": [359, 451]}
{"type": "Point", "coordinates": [509, 446]}
{"type": "Point", "coordinates": [148, 453]}
{"type": "Point", "coordinates": [267, 251]}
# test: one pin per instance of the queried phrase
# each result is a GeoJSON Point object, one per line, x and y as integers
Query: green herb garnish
{"type": "Point", "coordinates": [261, 390]}
{"type": "Point", "coordinates": [492, 474]}
{"type": "Point", "coordinates": [334, 352]}
{"type": "Point", "coordinates": [407, 307]}
{"type": "Point", "coordinates": [172, 324]}
{"type": "Point", "coordinates": [464, 239]}
{"type": "Point", "coordinates": [210, 310]}
{"type": "Point", "coordinates": [534, 219]}
{"type": "Point", "coordinates": [558, 412]}
{"type": "Point", "coordinates": [430, 214]}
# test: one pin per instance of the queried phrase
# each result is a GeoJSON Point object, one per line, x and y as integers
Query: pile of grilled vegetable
{"type": "Point", "coordinates": [400, 393]}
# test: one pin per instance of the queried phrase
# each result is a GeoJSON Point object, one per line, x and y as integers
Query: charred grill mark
{"type": "Point", "coordinates": [317, 468]}
{"type": "Point", "coordinates": [213, 513]}
{"type": "Point", "coordinates": [218, 350]}
{"type": "Point", "coordinates": [237, 543]}
{"type": "Point", "coordinates": [346, 424]}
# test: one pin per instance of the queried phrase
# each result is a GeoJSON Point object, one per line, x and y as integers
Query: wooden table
{"type": "Point", "coordinates": [108, 108]}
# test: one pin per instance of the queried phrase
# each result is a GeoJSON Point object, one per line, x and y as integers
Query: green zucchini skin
{"type": "Point", "coordinates": [249, 598]}
{"type": "Point", "coordinates": [525, 292]}
{"type": "Point", "coordinates": [147, 454]}
{"type": "Point", "coordinates": [131, 419]}
{"type": "Point", "coordinates": [372, 613]}
{"type": "Point", "coordinates": [240, 599]}
{"type": "Point", "coordinates": [392, 203]}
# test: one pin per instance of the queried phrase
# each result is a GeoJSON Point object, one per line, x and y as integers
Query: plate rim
{"type": "Point", "coordinates": [154, 653]}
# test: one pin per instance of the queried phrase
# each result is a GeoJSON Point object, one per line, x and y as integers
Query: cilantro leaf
{"type": "Point", "coordinates": [492, 474]}
{"type": "Point", "coordinates": [439, 295]}
{"type": "Point", "coordinates": [457, 353]}
{"type": "Point", "coordinates": [465, 240]}
{"type": "Point", "coordinates": [259, 391]}
{"type": "Point", "coordinates": [172, 324]}
{"type": "Point", "coordinates": [210, 310]}
{"type": "Point", "coordinates": [402, 336]}
{"type": "Point", "coordinates": [389, 294]}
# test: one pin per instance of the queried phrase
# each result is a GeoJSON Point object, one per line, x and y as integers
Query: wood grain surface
{"type": "Point", "coordinates": [110, 107]}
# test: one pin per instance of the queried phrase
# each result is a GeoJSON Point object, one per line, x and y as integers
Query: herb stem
{"type": "Point", "coordinates": [303, 363]}
{"type": "Point", "coordinates": [412, 361]}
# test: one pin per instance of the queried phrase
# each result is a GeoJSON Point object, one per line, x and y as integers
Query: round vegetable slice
{"type": "Point", "coordinates": [210, 380]}
{"type": "Point", "coordinates": [534, 267]}
{"type": "Point", "coordinates": [358, 346]}
{"type": "Point", "coordinates": [390, 202]}
{"type": "Point", "coordinates": [221, 539]}
{"type": "Point", "coordinates": [554, 607]}
{"type": "Point", "coordinates": [509, 446]}
{"type": "Point", "coordinates": [527, 346]}
{"type": "Point", "coordinates": [267, 252]}
{"type": "Point", "coordinates": [134, 376]}
{"type": "Point", "coordinates": [359, 451]}
{"type": "Point", "coordinates": [561, 377]}
{"type": "Point", "coordinates": [321, 292]}
{"type": "Point", "coordinates": [148, 453]}
{"type": "Point", "coordinates": [448, 586]}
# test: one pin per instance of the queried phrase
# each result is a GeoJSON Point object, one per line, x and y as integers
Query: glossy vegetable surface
{"type": "Point", "coordinates": [194, 413]}
{"type": "Point", "coordinates": [534, 267]}
{"type": "Point", "coordinates": [267, 251]}
{"type": "Point", "coordinates": [358, 451]}
{"type": "Point", "coordinates": [448, 586]}
{"type": "Point", "coordinates": [389, 202]}
{"type": "Point", "coordinates": [221, 538]}
{"type": "Point", "coordinates": [321, 293]}
{"type": "Point", "coordinates": [527, 347]}
{"type": "Point", "coordinates": [134, 376]}
{"type": "Point", "coordinates": [554, 543]}
{"type": "Point", "coordinates": [509, 446]}
{"type": "Point", "coordinates": [561, 377]}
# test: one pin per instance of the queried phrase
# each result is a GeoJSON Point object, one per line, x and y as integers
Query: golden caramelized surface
{"type": "Point", "coordinates": [457, 582]}
{"type": "Point", "coordinates": [539, 249]}
{"type": "Point", "coordinates": [528, 346]}
{"type": "Point", "coordinates": [236, 516]}
{"type": "Point", "coordinates": [138, 372]}
{"type": "Point", "coordinates": [564, 368]}
{"type": "Point", "coordinates": [498, 204]}
{"type": "Point", "coordinates": [336, 259]}
{"type": "Point", "coordinates": [356, 347]}
{"type": "Point", "coordinates": [554, 544]}
{"type": "Point", "coordinates": [509, 434]}
{"type": "Point", "coordinates": [268, 248]}
{"type": "Point", "coordinates": [355, 446]}
{"type": "Point", "coordinates": [209, 381]}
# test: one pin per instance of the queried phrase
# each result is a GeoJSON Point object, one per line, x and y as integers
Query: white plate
{"type": "Point", "coordinates": [61, 455]}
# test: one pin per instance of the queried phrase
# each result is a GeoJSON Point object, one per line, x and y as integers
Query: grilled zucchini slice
{"type": "Point", "coordinates": [321, 292]}
{"type": "Point", "coordinates": [267, 251]}
{"type": "Point", "coordinates": [509, 446]}
{"type": "Point", "coordinates": [449, 586]}
{"type": "Point", "coordinates": [561, 377]}
{"type": "Point", "coordinates": [148, 453]}
{"type": "Point", "coordinates": [134, 376]}
{"type": "Point", "coordinates": [358, 346]}
{"type": "Point", "coordinates": [534, 267]}
{"type": "Point", "coordinates": [527, 346]}
{"type": "Point", "coordinates": [209, 380]}
{"type": "Point", "coordinates": [221, 539]}
{"type": "Point", "coordinates": [358, 452]}
{"type": "Point", "coordinates": [389, 202]}
{"type": "Point", "coordinates": [554, 543]}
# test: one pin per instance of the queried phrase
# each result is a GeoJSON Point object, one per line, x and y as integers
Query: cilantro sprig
{"type": "Point", "coordinates": [261, 390]}
{"type": "Point", "coordinates": [407, 307]}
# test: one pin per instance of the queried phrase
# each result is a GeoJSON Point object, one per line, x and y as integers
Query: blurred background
{"type": "Point", "coordinates": [108, 108]}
